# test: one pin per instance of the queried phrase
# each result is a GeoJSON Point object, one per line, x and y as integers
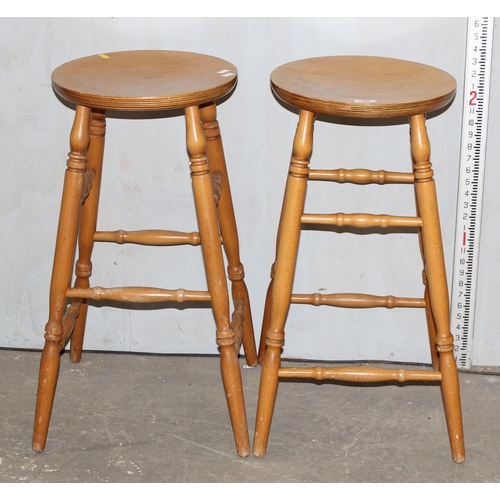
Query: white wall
{"type": "Point", "coordinates": [146, 184]}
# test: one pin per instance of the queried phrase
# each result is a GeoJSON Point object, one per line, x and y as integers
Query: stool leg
{"type": "Point", "coordinates": [88, 225]}
{"type": "Point", "coordinates": [287, 249]}
{"type": "Point", "coordinates": [228, 229]}
{"type": "Point", "coordinates": [216, 277]}
{"type": "Point", "coordinates": [61, 274]}
{"type": "Point", "coordinates": [267, 306]}
{"type": "Point", "coordinates": [266, 318]}
{"type": "Point", "coordinates": [437, 284]}
{"type": "Point", "coordinates": [431, 323]}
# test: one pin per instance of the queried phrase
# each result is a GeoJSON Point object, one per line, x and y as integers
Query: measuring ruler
{"type": "Point", "coordinates": [471, 182]}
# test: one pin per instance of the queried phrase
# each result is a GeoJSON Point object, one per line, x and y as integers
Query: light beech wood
{"type": "Point", "coordinates": [61, 273]}
{"type": "Point", "coordinates": [360, 87]}
{"type": "Point", "coordinates": [363, 86]}
{"type": "Point", "coordinates": [361, 374]}
{"type": "Point", "coordinates": [149, 237]}
{"type": "Point", "coordinates": [281, 287]}
{"type": "Point", "coordinates": [142, 81]}
{"type": "Point", "coordinates": [355, 300]}
{"type": "Point", "coordinates": [437, 285]}
{"type": "Point", "coordinates": [364, 221]}
{"type": "Point", "coordinates": [139, 80]}
{"type": "Point", "coordinates": [227, 222]}
{"type": "Point", "coordinates": [69, 320]}
{"type": "Point", "coordinates": [139, 294]}
{"type": "Point", "coordinates": [88, 223]}
{"type": "Point", "coordinates": [361, 176]}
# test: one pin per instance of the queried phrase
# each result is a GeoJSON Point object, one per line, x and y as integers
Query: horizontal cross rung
{"type": "Point", "coordinates": [361, 220]}
{"type": "Point", "coordinates": [356, 300]}
{"type": "Point", "coordinates": [362, 176]}
{"type": "Point", "coordinates": [149, 237]}
{"type": "Point", "coordinates": [360, 374]}
{"type": "Point", "coordinates": [139, 294]}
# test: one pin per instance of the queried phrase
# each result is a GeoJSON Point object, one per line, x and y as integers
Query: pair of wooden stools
{"type": "Point", "coordinates": [344, 86]}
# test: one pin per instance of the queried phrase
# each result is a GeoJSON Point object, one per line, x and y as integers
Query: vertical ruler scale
{"type": "Point", "coordinates": [471, 182]}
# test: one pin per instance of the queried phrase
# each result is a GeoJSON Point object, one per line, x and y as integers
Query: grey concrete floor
{"type": "Point", "coordinates": [132, 418]}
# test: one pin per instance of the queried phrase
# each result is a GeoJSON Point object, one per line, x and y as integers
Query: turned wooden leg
{"type": "Point", "coordinates": [88, 224]}
{"type": "Point", "coordinates": [437, 284]}
{"type": "Point", "coordinates": [216, 277]}
{"type": "Point", "coordinates": [287, 248]}
{"type": "Point", "coordinates": [266, 318]}
{"type": "Point", "coordinates": [228, 229]}
{"type": "Point", "coordinates": [61, 275]}
{"type": "Point", "coordinates": [431, 324]}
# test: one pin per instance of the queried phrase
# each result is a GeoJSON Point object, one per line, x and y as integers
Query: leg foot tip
{"type": "Point", "coordinates": [243, 448]}
{"type": "Point", "coordinates": [38, 443]}
{"type": "Point", "coordinates": [258, 453]}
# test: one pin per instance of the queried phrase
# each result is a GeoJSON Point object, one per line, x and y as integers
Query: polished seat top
{"type": "Point", "coordinates": [363, 86]}
{"type": "Point", "coordinates": [144, 80]}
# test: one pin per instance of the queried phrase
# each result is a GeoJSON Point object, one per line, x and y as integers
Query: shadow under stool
{"type": "Point", "coordinates": [146, 81]}
{"type": "Point", "coordinates": [357, 88]}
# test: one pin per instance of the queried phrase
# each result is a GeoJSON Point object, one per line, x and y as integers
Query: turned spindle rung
{"type": "Point", "coordinates": [363, 221]}
{"type": "Point", "coordinates": [356, 300]}
{"type": "Point", "coordinates": [360, 374]}
{"type": "Point", "coordinates": [157, 237]}
{"type": "Point", "coordinates": [362, 176]}
{"type": "Point", "coordinates": [139, 294]}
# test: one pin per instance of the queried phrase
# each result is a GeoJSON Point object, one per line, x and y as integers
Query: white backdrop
{"type": "Point", "coordinates": [146, 185]}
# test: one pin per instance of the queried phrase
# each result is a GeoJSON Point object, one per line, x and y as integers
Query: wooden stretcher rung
{"type": "Point", "coordinates": [139, 294]}
{"type": "Point", "coordinates": [149, 237]}
{"type": "Point", "coordinates": [360, 374]}
{"type": "Point", "coordinates": [362, 176]}
{"type": "Point", "coordinates": [356, 300]}
{"type": "Point", "coordinates": [361, 220]}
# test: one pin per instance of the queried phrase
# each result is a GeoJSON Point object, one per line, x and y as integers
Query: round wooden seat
{"type": "Point", "coordinates": [144, 80]}
{"type": "Point", "coordinates": [363, 86]}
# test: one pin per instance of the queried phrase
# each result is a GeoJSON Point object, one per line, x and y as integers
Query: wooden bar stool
{"type": "Point", "coordinates": [360, 87]}
{"type": "Point", "coordinates": [150, 80]}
